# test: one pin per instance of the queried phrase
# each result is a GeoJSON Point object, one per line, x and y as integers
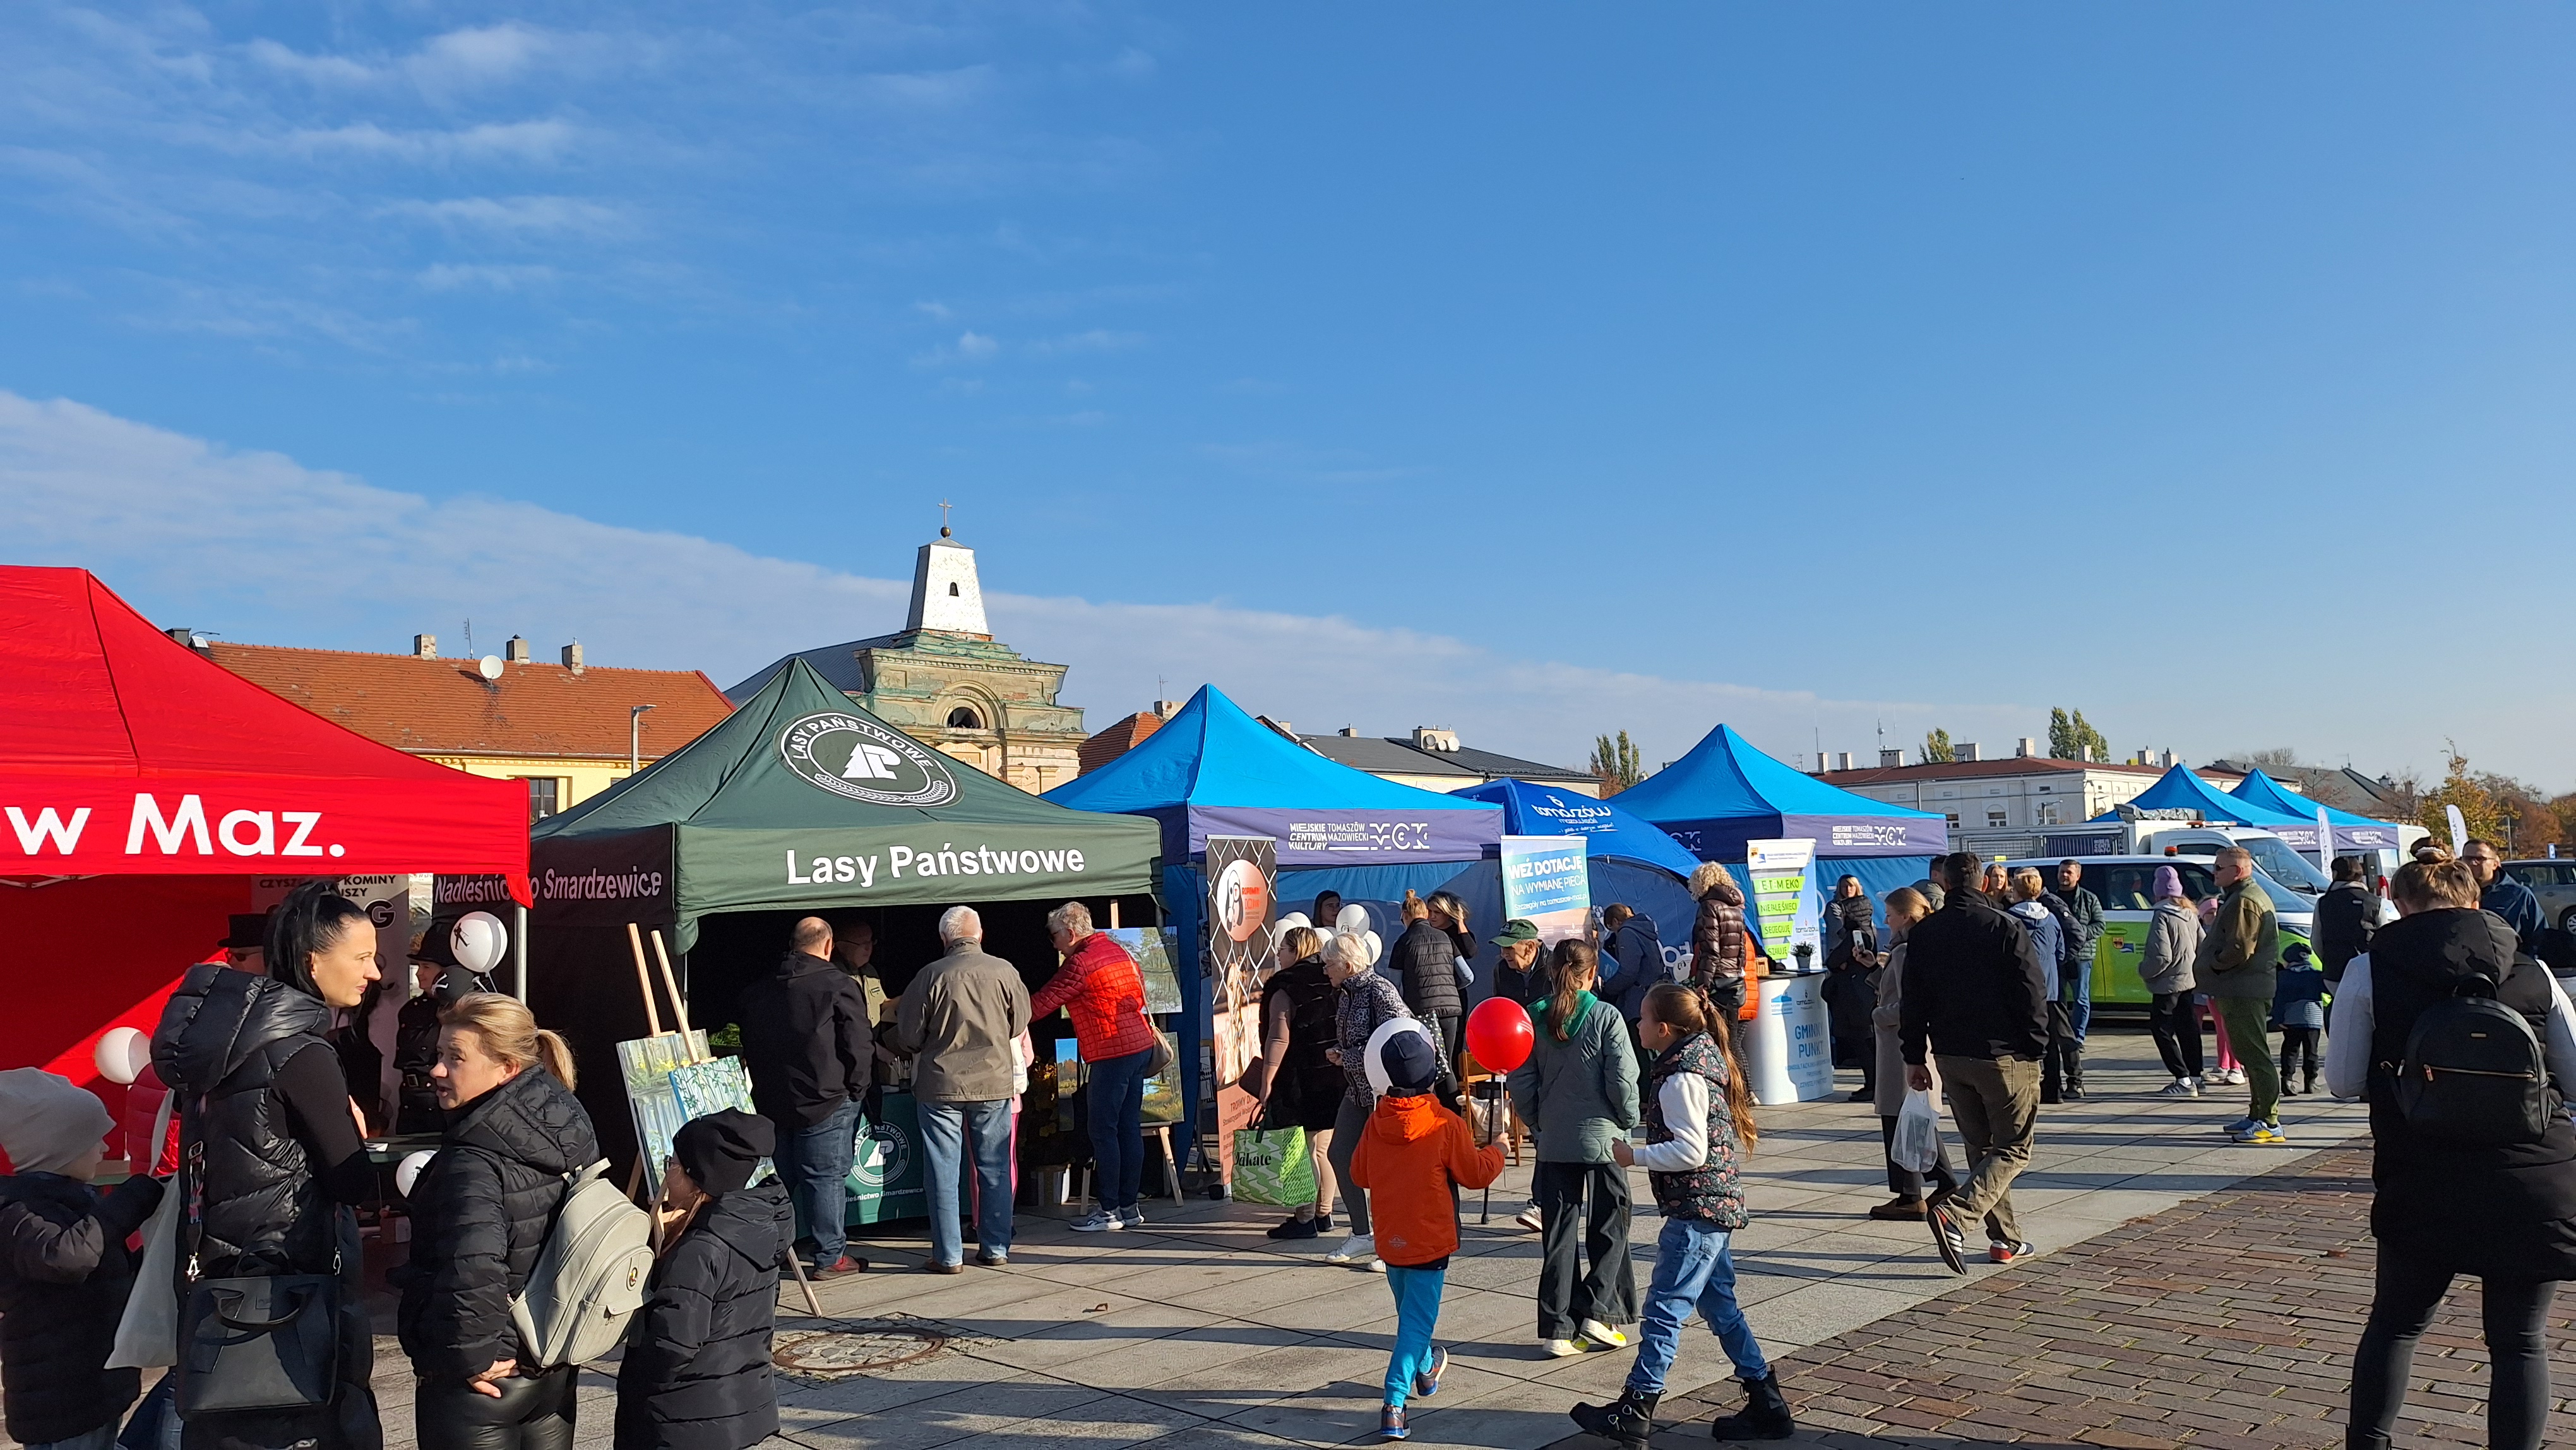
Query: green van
{"type": "Point", "coordinates": [2126, 886]}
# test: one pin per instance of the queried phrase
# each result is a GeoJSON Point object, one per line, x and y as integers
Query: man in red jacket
{"type": "Point", "coordinates": [1100, 985]}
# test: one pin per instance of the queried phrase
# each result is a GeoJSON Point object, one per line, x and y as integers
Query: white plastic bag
{"type": "Point", "coordinates": [148, 1336]}
{"type": "Point", "coordinates": [1917, 1146]}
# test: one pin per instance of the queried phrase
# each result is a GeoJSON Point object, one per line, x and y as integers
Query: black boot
{"type": "Point", "coordinates": [2074, 1089]}
{"type": "Point", "coordinates": [1627, 1421]}
{"type": "Point", "coordinates": [1765, 1415]}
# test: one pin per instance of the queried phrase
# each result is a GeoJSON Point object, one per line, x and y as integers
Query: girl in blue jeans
{"type": "Point", "coordinates": [1699, 1120]}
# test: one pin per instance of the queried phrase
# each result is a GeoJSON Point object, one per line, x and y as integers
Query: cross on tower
{"type": "Point", "coordinates": [944, 507]}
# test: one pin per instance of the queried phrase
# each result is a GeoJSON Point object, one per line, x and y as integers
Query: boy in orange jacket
{"type": "Point", "coordinates": [1412, 1157]}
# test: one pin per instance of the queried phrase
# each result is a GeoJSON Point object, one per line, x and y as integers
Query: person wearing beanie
{"type": "Point", "coordinates": [2165, 966]}
{"type": "Point", "coordinates": [1412, 1158]}
{"type": "Point", "coordinates": [696, 1374]}
{"type": "Point", "coordinates": [64, 1269]}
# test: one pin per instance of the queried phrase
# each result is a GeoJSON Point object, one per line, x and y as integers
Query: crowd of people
{"type": "Point", "coordinates": [1974, 994]}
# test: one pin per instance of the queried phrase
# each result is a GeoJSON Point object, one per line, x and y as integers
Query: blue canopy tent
{"type": "Point", "coordinates": [1725, 793]}
{"type": "Point", "coordinates": [2179, 789]}
{"type": "Point", "coordinates": [1631, 860]}
{"type": "Point", "coordinates": [1214, 770]}
{"type": "Point", "coordinates": [2353, 835]}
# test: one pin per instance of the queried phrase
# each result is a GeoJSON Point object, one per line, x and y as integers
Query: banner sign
{"type": "Point", "coordinates": [1784, 898]}
{"type": "Point", "coordinates": [1367, 837]}
{"type": "Point", "coordinates": [1546, 882]}
{"type": "Point", "coordinates": [1242, 904]}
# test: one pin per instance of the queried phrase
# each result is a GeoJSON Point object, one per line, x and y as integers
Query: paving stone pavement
{"type": "Point", "coordinates": [1201, 1331]}
{"type": "Point", "coordinates": [2227, 1323]}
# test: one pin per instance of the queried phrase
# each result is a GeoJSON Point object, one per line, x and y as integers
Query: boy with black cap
{"type": "Point", "coordinates": [1412, 1158]}
{"type": "Point", "coordinates": [696, 1372]}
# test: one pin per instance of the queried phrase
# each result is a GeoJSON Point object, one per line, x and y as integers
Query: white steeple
{"type": "Point", "coordinates": [945, 595]}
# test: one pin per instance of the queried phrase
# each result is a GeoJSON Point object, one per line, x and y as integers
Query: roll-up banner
{"type": "Point", "coordinates": [1546, 882]}
{"type": "Point", "coordinates": [1242, 903]}
{"type": "Point", "coordinates": [1784, 898]}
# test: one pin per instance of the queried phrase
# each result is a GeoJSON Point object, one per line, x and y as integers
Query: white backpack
{"type": "Point", "coordinates": [589, 1279]}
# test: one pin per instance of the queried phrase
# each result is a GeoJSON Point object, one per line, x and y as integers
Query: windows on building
{"type": "Point", "coordinates": [963, 718]}
{"type": "Point", "coordinates": [1994, 818]}
{"type": "Point", "coordinates": [1953, 819]}
{"type": "Point", "coordinates": [545, 795]}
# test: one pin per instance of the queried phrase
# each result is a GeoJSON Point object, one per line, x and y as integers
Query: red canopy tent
{"type": "Point", "coordinates": [145, 790]}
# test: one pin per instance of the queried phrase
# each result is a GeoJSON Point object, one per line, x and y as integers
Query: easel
{"type": "Point", "coordinates": [689, 1051]}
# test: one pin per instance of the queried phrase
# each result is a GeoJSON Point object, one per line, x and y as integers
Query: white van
{"type": "Point", "coordinates": [2126, 887]}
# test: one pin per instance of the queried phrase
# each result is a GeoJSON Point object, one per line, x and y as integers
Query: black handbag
{"type": "Point", "coordinates": [254, 1343]}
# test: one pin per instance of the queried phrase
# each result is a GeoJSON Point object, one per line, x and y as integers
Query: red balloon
{"type": "Point", "coordinates": [1498, 1033]}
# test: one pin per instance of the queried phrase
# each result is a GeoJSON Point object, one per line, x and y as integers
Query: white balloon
{"type": "Point", "coordinates": [1377, 949]}
{"type": "Point", "coordinates": [407, 1172]}
{"type": "Point", "coordinates": [479, 940]}
{"type": "Point", "coordinates": [1376, 1069]}
{"type": "Point", "coordinates": [116, 1054]}
{"type": "Point", "coordinates": [1354, 917]}
{"type": "Point", "coordinates": [1291, 920]}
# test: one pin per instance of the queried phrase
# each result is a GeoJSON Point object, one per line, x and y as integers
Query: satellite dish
{"type": "Point", "coordinates": [479, 939]}
{"type": "Point", "coordinates": [490, 666]}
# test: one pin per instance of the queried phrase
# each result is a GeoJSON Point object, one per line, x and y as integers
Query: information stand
{"type": "Point", "coordinates": [1787, 1049]}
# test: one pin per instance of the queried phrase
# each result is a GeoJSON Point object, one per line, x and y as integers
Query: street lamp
{"type": "Point", "coordinates": [635, 738]}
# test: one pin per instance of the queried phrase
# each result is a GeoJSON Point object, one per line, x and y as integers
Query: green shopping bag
{"type": "Point", "coordinates": [1274, 1166]}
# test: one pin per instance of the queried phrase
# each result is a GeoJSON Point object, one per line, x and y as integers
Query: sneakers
{"type": "Point", "coordinates": [1597, 1335]}
{"type": "Point", "coordinates": [1323, 1223]}
{"type": "Point", "coordinates": [1295, 1228]}
{"type": "Point", "coordinates": [1628, 1421]}
{"type": "Point", "coordinates": [1131, 1216]}
{"type": "Point", "coordinates": [2074, 1094]}
{"type": "Point", "coordinates": [2019, 1249]}
{"type": "Point", "coordinates": [1354, 1249]}
{"type": "Point", "coordinates": [934, 1266]}
{"type": "Point", "coordinates": [1765, 1415]}
{"type": "Point", "coordinates": [2232, 1076]}
{"type": "Point", "coordinates": [1528, 1218]}
{"type": "Point", "coordinates": [835, 1269]}
{"type": "Point", "coordinates": [2181, 1087]}
{"type": "Point", "coordinates": [1559, 1348]}
{"type": "Point", "coordinates": [1390, 1423]}
{"type": "Point", "coordinates": [1426, 1382]}
{"type": "Point", "coordinates": [2263, 1135]}
{"type": "Point", "coordinates": [2241, 1127]}
{"type": "Point", "coordinates": [1903, 1207]}
{"type": "Point", "coordinates": [1946, 1237]}
{"type": "Point", "coordinates": [1100, 1221]}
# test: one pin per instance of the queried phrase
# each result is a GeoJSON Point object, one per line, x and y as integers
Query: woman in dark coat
{"type": "Point", "coordinates": [2506, 1214]}
{"type": "Point", "coordinates": [480, 1212]}
{"type": "Point", "coordinates": [269, 1139]}
{"type": "Point", "coordinates": [696, 1372]}
{"type": "Point", "coordinates": [1302, 1088]}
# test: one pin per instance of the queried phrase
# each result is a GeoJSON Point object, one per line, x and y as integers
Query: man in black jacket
{"type": "Point", "coordinates": [805, 1038]}
{"type": "Point", "coordinates": [2347, 914]}
{"type": "Point", "coordinates": [1427, 961]}
{"type": "Point", "coordinates": [1976, 999]}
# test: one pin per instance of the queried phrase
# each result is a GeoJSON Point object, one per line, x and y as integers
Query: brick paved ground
{"type": "Point", "coordinates": [2228, 1322]}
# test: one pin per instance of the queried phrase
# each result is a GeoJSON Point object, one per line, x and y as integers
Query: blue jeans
{"type": "Point", "coordinates": [1417, 1313]}
{"type": "Point", "coordinates": [949, 1131]}
{"type": "Point", "coordinates": [816, 1164]}
{"type": "Point", "coordinates": [1692, 1269]}
{"type": "Point", "coordinates": [2079, 1015]}
{"type": "Point", "coordinates": [1117, 1101]}
{"type": "Point", "coordinates": [102, 1438]}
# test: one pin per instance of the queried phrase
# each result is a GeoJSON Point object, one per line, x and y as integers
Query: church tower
{"type": "Point", "coordinates": [945, 595]}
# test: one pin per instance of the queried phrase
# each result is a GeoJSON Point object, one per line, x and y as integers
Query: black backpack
{"type": "Point", "coordinates": [2475, 1074]}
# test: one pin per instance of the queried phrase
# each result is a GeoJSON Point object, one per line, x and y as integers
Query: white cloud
{"type": "Point", "coordinates": [472, 276]}
{"type": "Point", "coordinates": [546, 140]}
{"type": "Point", "coordinates": [479, 56]}
{"type": "Point", "coordinates": [945, 90]}
{"type": "Point", "coordinates": [970, 347]}
{"type": "Point", "coordinates": [1098, 339]}
{"type": "Point", "coordinates": [516, 215]}
{"type": "Point", "coordinates": [271, 551]}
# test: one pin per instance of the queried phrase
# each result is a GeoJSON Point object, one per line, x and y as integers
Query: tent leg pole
{"type": "Point", "coordinates": [519, 952]}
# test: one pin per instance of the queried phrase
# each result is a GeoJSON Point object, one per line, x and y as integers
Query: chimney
{"type": "Point", "coordinates": [1965, 750]}
{"type": "Point", "coordinates": [572, 657]}
{"type": "Point", "coordinates": [1166, 709]}
{"type": "Point", "coordinates": [1843, 760]}
{"type": "Point", "coordinates": [2025, 748]}
{"type": "Point", "coordinates": [1348, 732]}
{"type": "Point", "coordinates": [1890, 759]}
{"type": "Point", "coordinates": [2166, 760]}
{"type": "Point", "coordinates": [424, 646]}
{"type": "Point", "coordinates": [182, 635]}
{"type": "Point", "coordinates": [516, 651]}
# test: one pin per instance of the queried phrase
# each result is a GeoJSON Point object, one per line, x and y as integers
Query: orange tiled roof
{"type": "Point", "coordinates": [1117, 740]}
{"type": "Point", "coordinates": [446, 707]}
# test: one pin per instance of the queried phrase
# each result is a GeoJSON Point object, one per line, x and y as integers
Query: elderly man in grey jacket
{"type": "Point", "coordinates": [962, 1018]}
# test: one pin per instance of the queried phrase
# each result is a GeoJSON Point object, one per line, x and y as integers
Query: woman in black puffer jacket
{"type": "Point", "coordinates": [696, 1371]}
{"type": "Point", "coordinates": [480, 1214]}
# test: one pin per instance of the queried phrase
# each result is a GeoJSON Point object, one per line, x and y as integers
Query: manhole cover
{"type": "Point", "coordinates": [831, 1354]}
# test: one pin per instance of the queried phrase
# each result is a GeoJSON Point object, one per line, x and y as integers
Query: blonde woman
{"type": "Point", "coordinates": [480, 1212]}
{"type": "Point", "coordinates": [1363, 1001]}
{"type": "Point", "coordinates": [1301, 1088]}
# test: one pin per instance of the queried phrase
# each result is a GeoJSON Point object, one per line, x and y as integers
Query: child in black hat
{"type": "Point", "coordinates": [696, 1372]}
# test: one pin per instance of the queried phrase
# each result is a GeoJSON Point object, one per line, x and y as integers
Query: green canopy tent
{"type": "Point", "coordinates": [798, 803]}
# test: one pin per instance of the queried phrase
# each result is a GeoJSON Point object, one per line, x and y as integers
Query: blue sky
{"type": "Point", "coordinates": [1527, 370]}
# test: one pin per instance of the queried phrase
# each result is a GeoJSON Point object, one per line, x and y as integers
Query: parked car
{"type": "Point", "coordinates": [2126, 886]}
{"type": "Point", "coordinates": [2554, 882]}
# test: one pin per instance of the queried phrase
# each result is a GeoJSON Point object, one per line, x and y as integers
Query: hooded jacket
{"type": "Point", "coordinates": [2047, 939]}
{"type": "Point", "coordinates": [2241, 951]}
{"type": "Point", "coordinates": [1634, 956]}
{"type": "Point", "coordinates": [481, 1211]}
{"type": "Point", "coordinates": [2173, 942]}
{"type": "Point", "coordinates": [1426, 961]}
{"type": "Point", "coordinates": [1974, 985]}
{"type": "Point", "coordinates": [1103, 990]}
{"type": "Point", "coordinates": [1717, 936]}
{"type": "Point", "coordinates": [696, 1372]}
{"type": "Point", "coordinates": [1579, 1094]}
{"type": "Point", "coordinates": [1409, 1157]}
{"type": "Point", "coordinates": [805, 1038]}
{"type": "Point", "coordinates": [223, 1039]}
{"type": "Point", "coordinates": [2507, 1212]}
{"type": "Point", "coordinates": [2346, 914]}
{"type": "Point", "coordinates": [64, 1275]}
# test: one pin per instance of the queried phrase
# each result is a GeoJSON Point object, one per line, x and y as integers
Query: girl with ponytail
{"type": "Point", "coordinates": [1699, 1122]}
{"type": "Point", "coordinates": [1578, 1091]}
{"type": "Point", "coordinates": [480, 1212]}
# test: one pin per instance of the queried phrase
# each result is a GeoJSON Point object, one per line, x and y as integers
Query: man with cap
{"type": "Point", "coordinates": [64, 1273]}
{"type": "Point", "coordinates": [246, 945]}
{"type": "Point", "coordinates": [1516, 961]}
{"type": "Point", "coordinates": [696, 1371]}
{"type": "Point", "coordinates": [1413, 1157]}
